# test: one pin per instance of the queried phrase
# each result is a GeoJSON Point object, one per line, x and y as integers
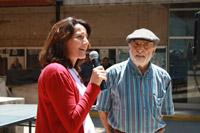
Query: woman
{"type": "Point", "coordinates": [64, 102]}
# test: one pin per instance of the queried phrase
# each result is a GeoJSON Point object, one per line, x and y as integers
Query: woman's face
{"type": "Point", "coordinates": [77, 46]}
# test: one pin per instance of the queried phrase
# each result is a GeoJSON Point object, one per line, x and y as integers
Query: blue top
{"type": "Point", "coordinates": [135, 103]}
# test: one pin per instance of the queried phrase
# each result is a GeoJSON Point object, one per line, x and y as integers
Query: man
{"type": "Point", "coordinates": [138, 93]}
{"type": "Point", "coordinates": [105, 62]}
{"type": "Point", "coordinates": [16, 65]}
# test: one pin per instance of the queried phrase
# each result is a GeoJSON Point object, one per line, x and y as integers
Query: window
{"type": "Point", "coordinates": [115, 55]}
{"type": "Point", "coordinates": [9, 56]}
{"type": "Point", "coordinates": [182, 23]}
{"type": "Point", "coordinates": [120, 54]}
{"type": "Point", "coordinates": [182, 64]}
{"type": "Point", "coordinates": [159, 57]}
{"type": "Point", "coordinates": [19, 65]}
{"type": "Point", "coordinates": [32, 58]}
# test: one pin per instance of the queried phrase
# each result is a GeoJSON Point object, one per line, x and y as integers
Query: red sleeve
{"type": "Point", "coordinates": [63, 94]}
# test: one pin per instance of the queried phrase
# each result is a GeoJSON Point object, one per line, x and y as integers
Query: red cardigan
{"type": "Point", "coordinates": [61, 108]}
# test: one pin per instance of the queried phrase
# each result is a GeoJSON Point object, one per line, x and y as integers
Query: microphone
{"type": "Point", "coordinates": [94, 57]}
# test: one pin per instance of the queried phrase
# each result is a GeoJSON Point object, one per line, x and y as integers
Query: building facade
{"type": "Point", "coordinates": [25, 25]}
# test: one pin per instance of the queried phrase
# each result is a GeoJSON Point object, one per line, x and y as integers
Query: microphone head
{"type": "Point", "coordinates": [93, 55]}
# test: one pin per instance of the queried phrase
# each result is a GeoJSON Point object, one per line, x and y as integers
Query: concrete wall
{"type": "Point", "coordinates": [25, 26]}
{"type": "Point", "coordinates": [28, 92]}
{"type": "Point", "coordinates": [3, 91]}
{"type": "Point", "coordinates": [112, 23]}
{"type": "Point", "coordinates": [4, 3]}
{"type": "Point", "coordinates": [29, 26]}
{"type": "Point", "coordinates": [74, 2]}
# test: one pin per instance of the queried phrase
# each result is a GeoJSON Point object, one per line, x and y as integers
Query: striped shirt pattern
{"type": "Point", "coordinates": [135, 102]}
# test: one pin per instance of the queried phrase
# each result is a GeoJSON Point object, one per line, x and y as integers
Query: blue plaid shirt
{"type": "Point", "coordinates": [134, 102]}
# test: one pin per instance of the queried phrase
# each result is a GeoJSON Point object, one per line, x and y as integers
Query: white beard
{"type": "Point", "coordinates": [139, 63]}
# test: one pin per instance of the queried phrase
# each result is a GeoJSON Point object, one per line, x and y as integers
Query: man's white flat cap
{"type": "Point", "coordinates": [143, 34]}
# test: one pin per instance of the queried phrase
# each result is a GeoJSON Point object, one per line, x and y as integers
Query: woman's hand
{"type": "Point", "coordinates": [98, 75]}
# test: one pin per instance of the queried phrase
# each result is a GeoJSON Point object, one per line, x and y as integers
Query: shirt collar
{"type": "Point", "coordinates": [136, 71]}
